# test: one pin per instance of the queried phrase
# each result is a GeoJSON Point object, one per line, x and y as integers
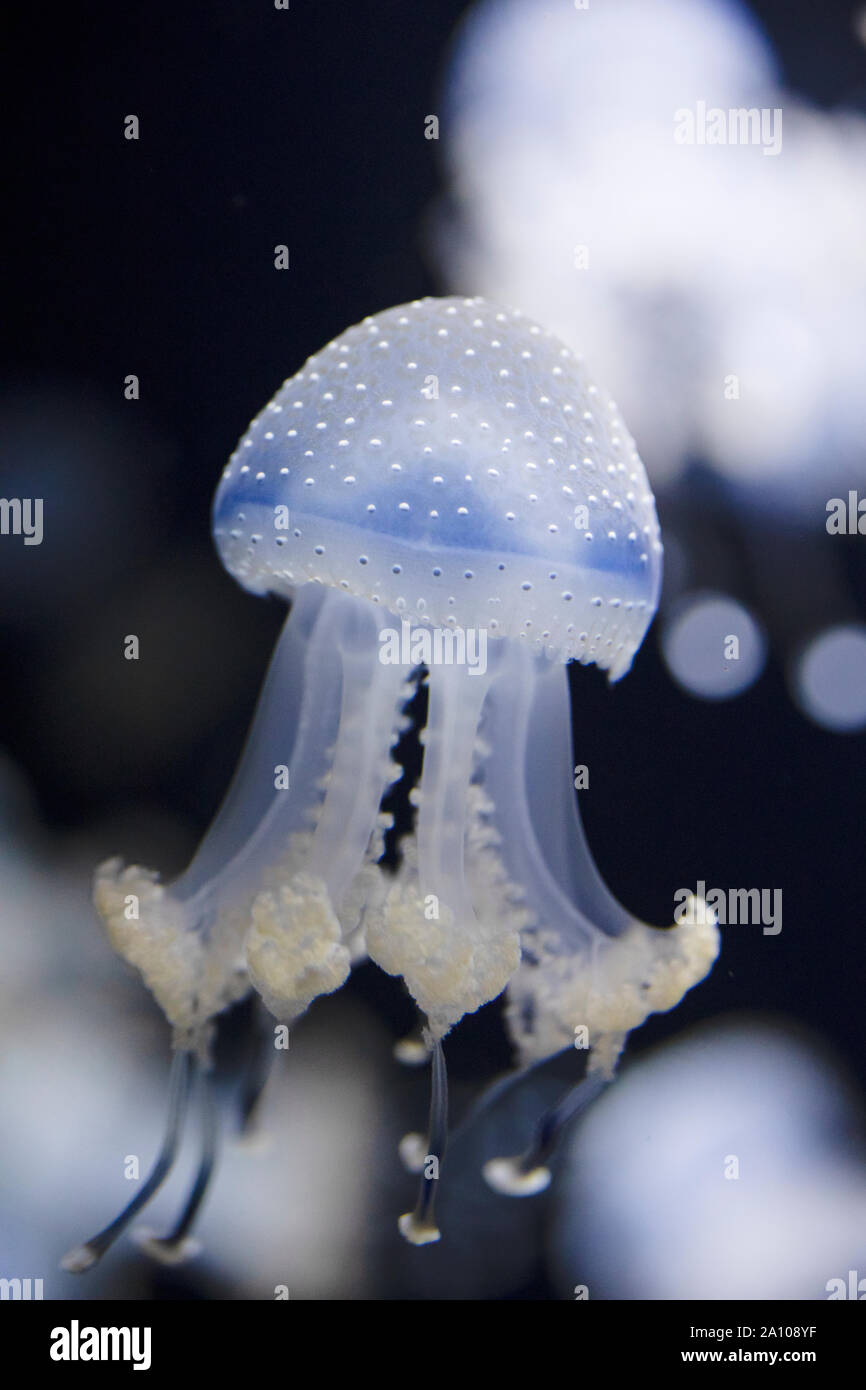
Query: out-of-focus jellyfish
{"type": "Point", "coordinates": [713, 647]}
{"type": "Point", "coordinates": [724, 1164]}
{"type": "Point", "coordinates": [583, 193]}
{"type": "Point", "coordinates": [441, 488]}
{"type": "Point", "coordinates": [828, 679]}
{"type": "Point", "coordinates": [574, 198]}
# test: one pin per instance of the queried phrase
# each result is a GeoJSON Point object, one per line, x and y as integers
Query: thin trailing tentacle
{"type": "Point", "coordinates": [177, 1245]}
{"type": "Point", "coordinates": [419, 1226]}
{"type": "Point", "coordinates": [528, 1173]}
{"type": "Point", "coordinates": [84, 1256]}
{"type": "Point", "coordinates": [256, 1070]}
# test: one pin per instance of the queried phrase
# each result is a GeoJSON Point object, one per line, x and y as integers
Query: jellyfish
{"type": "Point", "coordinates": [441, 493]}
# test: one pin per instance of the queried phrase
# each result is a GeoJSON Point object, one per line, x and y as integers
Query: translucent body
{"type": "Point", "coordinates": [446, 466]}
{"type": "Point", "coordinates": [433, 462]}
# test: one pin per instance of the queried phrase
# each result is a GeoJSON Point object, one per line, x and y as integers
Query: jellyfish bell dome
{"type": "Point", "coordinates": [453, 462]}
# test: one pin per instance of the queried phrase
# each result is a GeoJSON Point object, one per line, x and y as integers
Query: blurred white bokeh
{"type": "Point", "coordinates": [719, 291]}
{"type": "Point", "coordinates": [721, 1165]}
{"type": "Point", "coordinates": [712, 646]}
{"type": "Point", "coordinates": [828, 679]}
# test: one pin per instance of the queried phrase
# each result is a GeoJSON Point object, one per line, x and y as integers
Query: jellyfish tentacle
{"type": "Point", "coordinates": [84, 1256]}
{"type": "Point", "coordinates": [493, 1093]}
{"type": "Point", "coordinates": [373, 694]}
{"type": "Point", "coordinates": [554, 807]}
{"type": "Point", "coordinates": [452, 959]}
{"type": "Point", "coordinates": [418, 1226]}
{"type": "Point", "coordinates": [177, 1245]}
{"type": "Point", "coordinates": [186, 938]}
{"type": "Point", "coordinates": [305, 749]}
{"type": "Point", "coordinates": [586, 963]}
{"type": "Point", "coordinates": [297, 945]}
{"type": "Point", "coordinates": [528, 1173]}
{"type": "Point", "coordinates": [294, 854]}
{"type": "Point", "coordinates": [452, 723]}
{"type": "Point", "coordinates": [508, 724]}
{"type": "Point", "coordinates": [274, 730]}
{"type": "Point", "coordinates": [256, 1071]}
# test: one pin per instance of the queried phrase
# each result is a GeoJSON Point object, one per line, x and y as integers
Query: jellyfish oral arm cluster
{"type": "Point", "coordinates": [261, 902]}
{"type": "Point", "coordinates": [586, 961]}
{"type": "Point", "coordinates": [445, 469]}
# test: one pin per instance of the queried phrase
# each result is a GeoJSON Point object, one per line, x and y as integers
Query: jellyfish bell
{"type": "Point", "coordinates": [454, 461]}
{"type": "Point", "coordinates": [447, 469]}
